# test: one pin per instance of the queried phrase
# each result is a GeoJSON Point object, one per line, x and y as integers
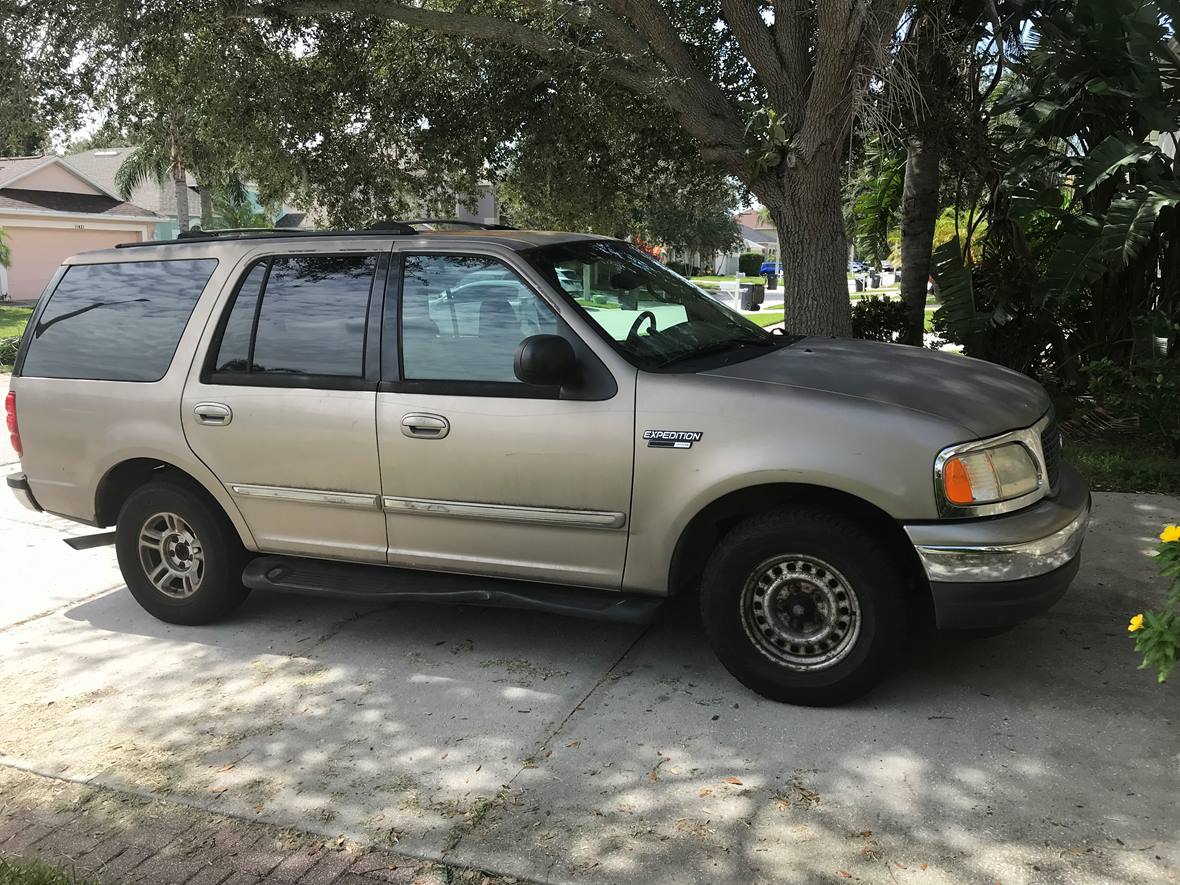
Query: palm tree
{"type": "Point", "coordinates": [5, 251]}
{"type": "Point", "coordinates": [234, 210]}
{"type": "Point", "coordinates": [157, 159]}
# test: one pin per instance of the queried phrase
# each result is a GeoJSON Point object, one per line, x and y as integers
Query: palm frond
{"type": "Point", "coordinates": [1131, 222]}
{"type": "Point", "coordinates": [1109, 157]}
{"type": "Point", "coordinates": [956, 291]}
{"type": "Point", "coordinates": [145, 163]}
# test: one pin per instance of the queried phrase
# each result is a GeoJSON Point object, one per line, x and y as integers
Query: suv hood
{"type": "Point", "coordinates": [984, 398]}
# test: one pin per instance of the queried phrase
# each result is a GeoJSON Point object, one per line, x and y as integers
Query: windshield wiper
{"type": "Point", "coordinates": [717, 347]}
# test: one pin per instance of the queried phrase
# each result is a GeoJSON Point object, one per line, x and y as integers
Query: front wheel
{"type": "Point", "coordinates": [806, 606]}
{"type": "Point", "coordinates": [179, 554]}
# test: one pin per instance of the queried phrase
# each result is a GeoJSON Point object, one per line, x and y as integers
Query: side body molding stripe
{"type": "Point", "coordinates": [587, 519]}
{"type": "Point", "coordinates": [307, 496]}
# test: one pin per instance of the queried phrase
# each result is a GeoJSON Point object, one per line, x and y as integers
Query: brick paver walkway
{"type": "Point", "coordinates": [124, 840]}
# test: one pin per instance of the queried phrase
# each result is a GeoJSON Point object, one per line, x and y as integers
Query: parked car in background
{"type": "Point", "coordinates": [398, 414]}
{"type": "Point", "coordinates": [771, 267]}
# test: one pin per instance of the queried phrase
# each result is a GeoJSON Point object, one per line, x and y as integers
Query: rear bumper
{"type": "Point", "coordinates": [18, 484]}
{"type": "Point", "coordinates": [998, 571]}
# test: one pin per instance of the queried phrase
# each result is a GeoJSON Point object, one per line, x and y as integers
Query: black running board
{"type": "Point", "coordinates": [89, 542]}
{"type": "Point", "coordinates": [343, 580]}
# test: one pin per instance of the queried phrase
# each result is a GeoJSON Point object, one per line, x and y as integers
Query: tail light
{"type": "Point", "coordinates": [10, 422]}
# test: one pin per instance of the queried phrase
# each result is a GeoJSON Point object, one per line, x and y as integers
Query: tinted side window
{"type": "Point", "coordinates": [116, 322]}
{"type": "Point", "coordinates": [312, 319]}
{"type": "Point", "coordinates": [463, 317]}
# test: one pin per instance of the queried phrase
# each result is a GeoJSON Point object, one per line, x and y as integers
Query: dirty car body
{"type": "Point", "coordinates": [534, 419]}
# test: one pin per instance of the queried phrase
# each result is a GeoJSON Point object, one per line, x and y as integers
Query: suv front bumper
{"type": "Point", "coordinates": [998, 571]}
{"type": "Point", "coordinates": [19, 484]}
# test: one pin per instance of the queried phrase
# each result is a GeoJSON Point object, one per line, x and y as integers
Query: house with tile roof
{"type": "Point", "coordinates": [49, 211]}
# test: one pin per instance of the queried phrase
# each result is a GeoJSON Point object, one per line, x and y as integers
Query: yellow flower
{"type": "Point", "coordinates": [1136, 624]}
{"type": "Point", "coordinates": [1171, 533]}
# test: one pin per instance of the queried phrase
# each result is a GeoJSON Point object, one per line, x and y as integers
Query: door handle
{"type": "Point", "coordinates": [417, 425]}
{"type": "Point", "coordinates": [216, 414]}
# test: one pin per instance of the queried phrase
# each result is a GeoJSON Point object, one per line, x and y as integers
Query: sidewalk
{"type": "Point", "coordinates": [121, 839]}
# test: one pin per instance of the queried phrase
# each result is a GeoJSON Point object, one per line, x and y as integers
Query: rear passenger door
{"type": "Point", "coordinates": [282, 407]}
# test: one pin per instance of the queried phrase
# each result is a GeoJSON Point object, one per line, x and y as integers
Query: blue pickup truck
{"type": "Point", "coordinates": [771, 267]}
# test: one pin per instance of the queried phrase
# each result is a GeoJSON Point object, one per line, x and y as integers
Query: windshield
{"type": "Point", "coordinates": [653, 316]}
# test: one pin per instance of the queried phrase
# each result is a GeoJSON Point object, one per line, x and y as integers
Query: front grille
{"type": "Point", "coordinates": [1051, 446]}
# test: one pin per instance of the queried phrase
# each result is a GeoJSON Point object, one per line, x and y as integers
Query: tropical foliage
{"type": "Point", "coordinates": [1157, 633]}
{"type": "Point", "coordinates": [1080, 258]}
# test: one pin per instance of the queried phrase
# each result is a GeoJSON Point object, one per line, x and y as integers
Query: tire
{"type": "Point", "coordinates": [779, 580]}
{"type": "Point", "coordinates": [197, 560]}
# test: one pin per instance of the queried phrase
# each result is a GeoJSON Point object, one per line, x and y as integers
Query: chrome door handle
{"type": "Point", "coordinates": [216, 414]}
{"type": "Point", "coordinates": [417, 425]}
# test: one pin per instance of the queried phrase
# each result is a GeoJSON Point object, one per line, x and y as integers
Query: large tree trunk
{"type": "Point", "coordinates": [807, 209]}
{"type": "Point", "coordinates": [919, 212]}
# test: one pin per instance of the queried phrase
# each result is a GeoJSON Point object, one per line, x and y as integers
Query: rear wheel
{"type": "Point", "coordinates": [806, 607]}
{"type": "Point", "coordinates": [179, 554]}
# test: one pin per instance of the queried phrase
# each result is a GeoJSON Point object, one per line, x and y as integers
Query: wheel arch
{"type": "Point", "coordinates": [717, 518]}
{"type": "Point", "coordinates": [123, 478]}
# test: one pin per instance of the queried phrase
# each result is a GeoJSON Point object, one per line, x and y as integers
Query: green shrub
{"type": "Point", "coordinates": [8, 349]}
{"type": "Point", "coordinates": [1148, 389]}
{"type": "Point", "coordinates": [680, 267]}
{"type": "Point", "coordinates": [878, 319]}
{"type": "Point", "coordinates": [750, 263]}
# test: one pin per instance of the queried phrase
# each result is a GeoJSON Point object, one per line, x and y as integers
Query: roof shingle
{"type": "Point", "coordinates": [56, 201]}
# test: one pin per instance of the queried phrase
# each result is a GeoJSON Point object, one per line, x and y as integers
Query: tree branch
{"type": "Point", "coordinates": [456, 24]}
{"type": "Point", "coordinates": [651, 21]}
{"type": "Point", "coordinates": [790, 37]}
{"type": "Point", "coordinates": [757, 42]}
{"type": "Point", "coordinates": [700, 106]}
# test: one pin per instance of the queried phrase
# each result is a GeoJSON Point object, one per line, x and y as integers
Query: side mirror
{"type": "Point", "coordinates": [546, 360]}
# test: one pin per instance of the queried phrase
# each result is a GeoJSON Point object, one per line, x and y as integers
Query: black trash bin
{"type": "Point", "coordinates": [874, 280]}
{"type": "Point", "coordinates": [752, 296]}
{"type": "Point", "coordinates": [771, 281]}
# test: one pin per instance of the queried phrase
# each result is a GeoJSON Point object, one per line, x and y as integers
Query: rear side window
{"type": "Point", "coordinates": [299, 315]}
{"type": "Point", "coordinates": [116, 322]}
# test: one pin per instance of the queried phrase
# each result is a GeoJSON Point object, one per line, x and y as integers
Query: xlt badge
{"type": "Point", "coordinates": [671, 439]}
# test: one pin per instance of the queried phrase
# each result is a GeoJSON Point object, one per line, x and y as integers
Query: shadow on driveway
{"type": "Point", "coordinates": [565, 750]}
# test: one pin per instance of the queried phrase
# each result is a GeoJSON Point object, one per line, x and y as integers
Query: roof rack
{"type": "Point", "coordinates": [377, 228]}
{"type": "Point", "coordinates": [455, 222]}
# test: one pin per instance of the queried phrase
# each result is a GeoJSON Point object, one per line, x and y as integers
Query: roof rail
{"type": "Point", "coordinates": [200, 233]}
{"type": "Point", "coordinates": [377, 228]}
{"type": "Point", "coordinates": [478, 225]}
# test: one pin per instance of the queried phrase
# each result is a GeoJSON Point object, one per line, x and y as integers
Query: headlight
{"type": "Point", "coordinates": [986, 476]}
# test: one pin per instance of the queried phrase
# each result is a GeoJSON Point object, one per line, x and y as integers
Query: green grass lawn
{"type": "Point", "coordinates": [13, 872]}
{"type": "Point", "coordinates": [12, 320]}
{"type": "Point", "coordinates": [1125, 464]}
{"type": "Point", "coordinates": [765, 317]}
{"type": "Point", "coordinates": [12, 325]}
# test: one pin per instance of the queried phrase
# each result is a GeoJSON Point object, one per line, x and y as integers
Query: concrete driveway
{"type": "Point", "coordinates": [557, 750]}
